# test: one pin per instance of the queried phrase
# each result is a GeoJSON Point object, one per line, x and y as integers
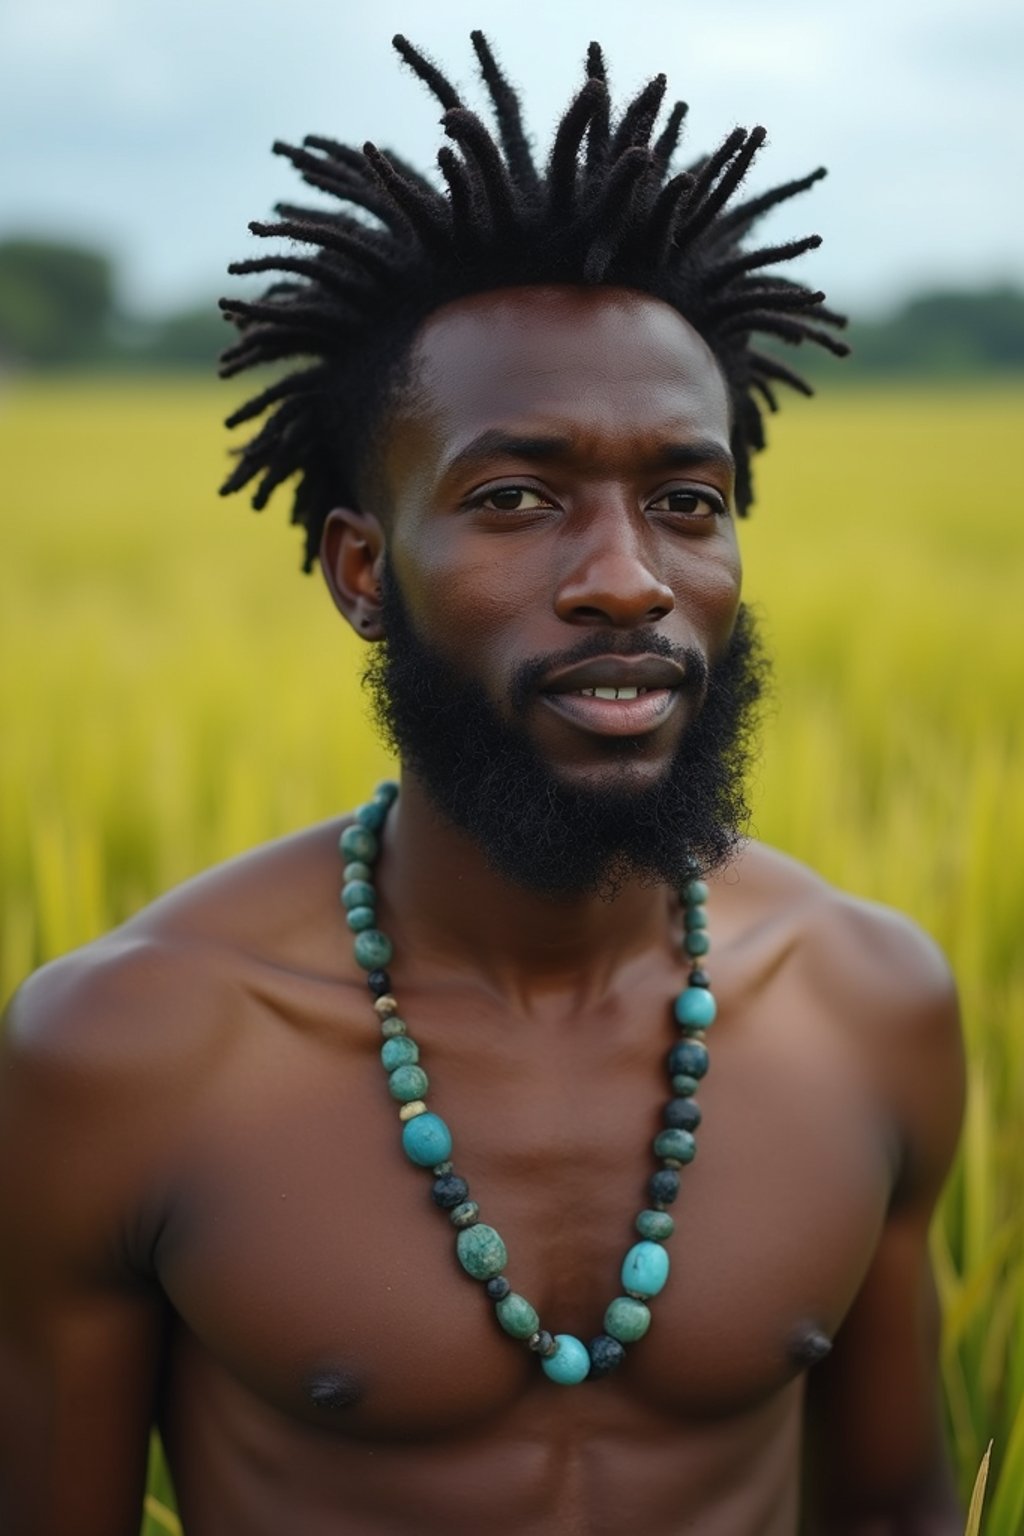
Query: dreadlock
{"type": "Point", "coordinates": [604, 210]}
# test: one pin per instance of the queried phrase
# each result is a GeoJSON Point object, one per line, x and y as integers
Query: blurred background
{"type": "Point", "coordinates": [172, 690]}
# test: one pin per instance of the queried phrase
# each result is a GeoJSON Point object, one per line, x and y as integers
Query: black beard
{"type": "Point", "coordinates": [487, 778]}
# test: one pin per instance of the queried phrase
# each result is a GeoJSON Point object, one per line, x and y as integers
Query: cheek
{"type": "Point", "coordinates": [706, 580]}
{"type": "Point", "coordinates": [462, 600]}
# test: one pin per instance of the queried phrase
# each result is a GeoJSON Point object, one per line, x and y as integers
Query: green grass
{"type": "Point", "coordinates": [174, 692]}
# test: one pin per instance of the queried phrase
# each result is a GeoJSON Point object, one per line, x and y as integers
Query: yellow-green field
{"type": "Point", "coordinates": [172, 691]}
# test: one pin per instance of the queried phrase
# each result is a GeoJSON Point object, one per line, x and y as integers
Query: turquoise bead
{"type": "Point", "coordinates": [675, 1143]}
{"type": "Point", "coordinates": [358, 893]}
{"type": "Point", "coordinates": [392, 1026]}
{"type": "Point", "coordinates": [684, 1085]}
{"type": "Point", "coordinates": [695, 917]}
{"type": "Point", "coordinates": [399, 1051]}
{"type": "Point", "coordinates": [569, 1364]}
{"type": "Point", "coordinates": [645, 1269]}
{"type": "Point", "coordinates": [517, 1317]}
{"type": "Point", "coordinates": [361, 919]}
{"type": "Point", "coordinates": [695, 1008]}
{"type": "Point", "coordinates": [695, 892]}
{"type": "Point", "coordinates": [372, 950]}
{"type": "Point", "coordinates": [627, 1320]}
{"type": "Point", "coordinates": [386, 791]}
{"type": "Point", "coordinates": [358, 842]}
{"type": "Point", "coordinates": [426, 1140]}
{"type": "Point", "coordinates": [372, 816]}
{"type": "Point", "coordinates": [481, 1251]}
{"type": "Point", "coordinates": [356, 871]}
{"type": "Point", "coordinates": [696, 943]}
{"type": "Point", "coordinates": [408, 1083]}
{"type": "Point", "coordinates": [655, 1225]}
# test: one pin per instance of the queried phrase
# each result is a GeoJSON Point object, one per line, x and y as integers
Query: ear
{"type": "Point", "coordinates": [351, 555]}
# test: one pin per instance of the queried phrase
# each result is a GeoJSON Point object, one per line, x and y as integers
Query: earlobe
{"type": "Point", "coordinates": [351, 554]}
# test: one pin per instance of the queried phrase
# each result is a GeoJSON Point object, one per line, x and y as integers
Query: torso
{"type": "Point", "coordinates": [329, 1366]}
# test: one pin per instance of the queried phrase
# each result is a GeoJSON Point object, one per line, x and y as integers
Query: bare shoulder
{"type": "Point", "coordinates": [884, 959]}
{"type": "Point", "coordinates": [158, 1003]}
{"type": "Point", "coordinates": [881, 979]}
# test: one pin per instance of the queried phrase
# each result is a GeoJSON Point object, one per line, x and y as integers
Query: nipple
{"type": "Point", "coordinates": [808, 1345]}
{"type": "Point", "coordinates": [334, 1389]}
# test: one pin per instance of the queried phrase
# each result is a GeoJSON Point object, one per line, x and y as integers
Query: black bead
{"type": "Point", "coordinates": [542, 1343]}
{"type": "Point", "coordinates": [379, 982]}
{"type": "Point", "coordinates": [448, 1191]}
{"type": "Point", "coordinates": [663, 1186]}
{"type": "Point", "coordinates": [682, 1114]}
{"type": "Point", "coordinates": [699, 978]}
{"type": "Point", "coordinates": [606, 1354]}
{"type": "Point", "coordinates": [498, 1288]}
{"type": "Point", "coordinates": [689, 1057]}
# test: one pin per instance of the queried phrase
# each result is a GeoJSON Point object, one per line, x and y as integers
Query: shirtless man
{"type": "Point", "coordinates": [521, 446]}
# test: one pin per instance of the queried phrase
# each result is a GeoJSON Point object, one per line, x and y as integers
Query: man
{"type": "Point", "coordinates": [367, 1253]}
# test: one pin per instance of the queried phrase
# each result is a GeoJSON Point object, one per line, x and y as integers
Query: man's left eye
{"type": "Point", "coordinates": [692, 503]}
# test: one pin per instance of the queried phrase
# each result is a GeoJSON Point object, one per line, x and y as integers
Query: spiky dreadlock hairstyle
{"type": "Point", "coordinates": [605, 210]}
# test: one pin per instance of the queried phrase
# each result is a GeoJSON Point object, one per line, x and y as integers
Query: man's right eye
{"type": "Point", "coordinates": [512, 498]}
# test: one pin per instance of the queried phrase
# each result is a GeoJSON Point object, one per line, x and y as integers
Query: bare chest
{"type": "Point", "coordinates": [304, 1253]}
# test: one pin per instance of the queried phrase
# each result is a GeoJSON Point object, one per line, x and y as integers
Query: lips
{"type": "Point", "coordinates": [646, 672]}
{"type": "Point", "coordinates": [615, 695]}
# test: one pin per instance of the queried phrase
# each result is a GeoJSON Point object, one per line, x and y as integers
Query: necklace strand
{"type": "Point", "coordinates": [427, 1141]}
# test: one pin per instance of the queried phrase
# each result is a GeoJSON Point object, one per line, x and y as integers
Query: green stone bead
{"type": "Point", "coordinates": [372, 816]}
{"type": "Point", "coordinates": [356, 871]}
{"type": "Point", "coordinates": [695, 917]}
{"type": "Point", "coordinates": [399, 1052]}
{"type": "Point", "coordinates": [517, 1317]}
{"type": "Point", "coordinates": [392, 1026]}
{"type": "Point", "coordinates": [466, 1214]}
{"type": "Point", "coordinates": [684, 1085]}
{"type": "Point", "coordinates": [408, 1083]}
{"type": "Point", "coordinates": [696, 943]}
{"type": "Point", "coordinates": [372, 949]}
{"type": "Point", "coordinates": [358, 893]}
{"type": "Point", "coordinates": [361, 919]}
{"type": "Point", "coordinates": [387, 791]}
{"type": "Point", "coordinates": [675, 1143]}
{"type": "Point", "coordinates": [627, 1320]}
{"type": "Point", "coordinates": [359, 843]}
{"type": "Point", "coordinates": [481, 1251]}
{"type": "Point", "coordinates": [656, 1226]}
{"type": "Point", "coordinates": [695, 893]}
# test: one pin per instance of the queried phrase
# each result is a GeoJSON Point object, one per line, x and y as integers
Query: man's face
{"type": "Point", "coordinates": [560, 530]}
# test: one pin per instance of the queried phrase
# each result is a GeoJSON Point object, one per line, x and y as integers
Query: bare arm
{"type": "Point", "coordinates": [80, 1323]}
{"type": "Point", "coordinates": [878, 1462]}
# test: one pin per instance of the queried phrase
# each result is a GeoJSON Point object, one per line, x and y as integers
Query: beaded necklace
{"type": "Point", "coordinates": [427, 1141]}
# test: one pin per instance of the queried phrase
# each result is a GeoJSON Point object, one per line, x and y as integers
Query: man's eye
{"type": "Point", "coordinates": [513, 498]}
{"type": "Point", "coordinates": [692, 503]}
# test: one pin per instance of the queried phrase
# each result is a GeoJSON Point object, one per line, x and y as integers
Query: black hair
{"type": "Point", "coordinates": [606, 209]}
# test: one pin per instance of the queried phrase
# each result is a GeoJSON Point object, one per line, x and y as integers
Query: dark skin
{"type": "Point", "coordinates": [205, 1215]}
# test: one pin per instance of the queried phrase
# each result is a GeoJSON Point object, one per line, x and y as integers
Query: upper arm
{"type": "Point", "coordinates": [79, 1325]}
{"type": "Point", "coordinates": [874, 1407]}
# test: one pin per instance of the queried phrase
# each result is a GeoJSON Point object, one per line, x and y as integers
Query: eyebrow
{"type": "Point", "coordinates": [495, 443]}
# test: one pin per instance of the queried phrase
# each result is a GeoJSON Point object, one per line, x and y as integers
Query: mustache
{"type": "Point", "coordinates": [640, 642]}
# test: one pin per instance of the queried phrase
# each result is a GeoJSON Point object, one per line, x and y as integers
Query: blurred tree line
{"type": "Point", "coordinates": [59, 308]}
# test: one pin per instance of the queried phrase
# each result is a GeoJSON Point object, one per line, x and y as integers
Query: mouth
{"type": "Point", "coordinates": [616, 695]}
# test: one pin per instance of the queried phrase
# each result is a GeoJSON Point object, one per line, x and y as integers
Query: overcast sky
{"type": "Point", "coordinates": [145, 125]}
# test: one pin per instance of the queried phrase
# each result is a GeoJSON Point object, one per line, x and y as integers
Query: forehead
{"type": "Point", "coordinates": [605, 362]}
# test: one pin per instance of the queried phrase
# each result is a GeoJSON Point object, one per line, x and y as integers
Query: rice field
{"type": "Point", "coordinates": [173, 691]}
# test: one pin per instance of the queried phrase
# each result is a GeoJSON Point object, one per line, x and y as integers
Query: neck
{"type": "Point", "coordinates": [454, 911]}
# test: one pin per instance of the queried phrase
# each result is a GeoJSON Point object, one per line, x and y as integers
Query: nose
{"type": "Point", "coordinates": [610, 579]}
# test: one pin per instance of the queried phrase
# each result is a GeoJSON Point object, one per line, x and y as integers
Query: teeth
{"type": "Point", "coordinates": [612, 693]}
